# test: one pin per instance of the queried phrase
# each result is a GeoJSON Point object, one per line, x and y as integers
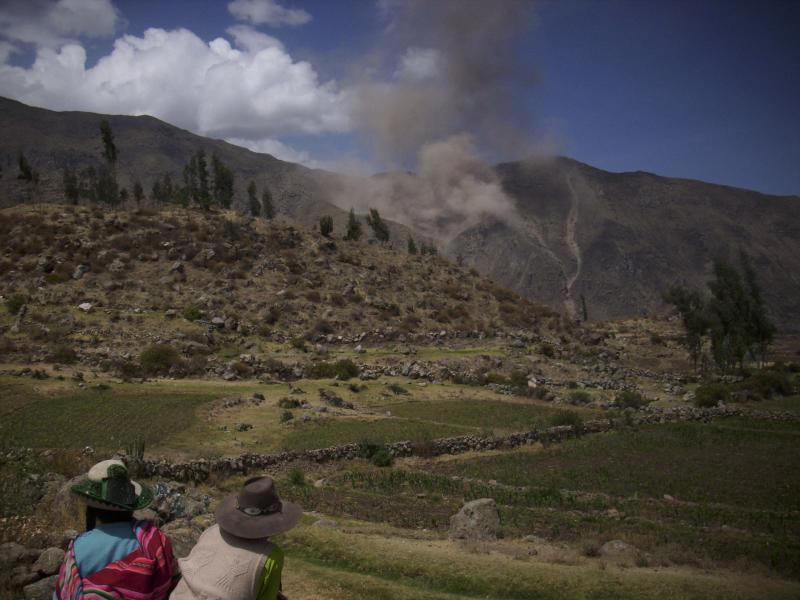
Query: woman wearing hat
{"type": "Point", "coordinates": [234, 560]}
{"type": "Point", "coordinates": [117, 558]}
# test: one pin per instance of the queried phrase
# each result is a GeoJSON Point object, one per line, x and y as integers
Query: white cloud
{"type": "Point", "coordinates": [419, 64]}
{"type": "Point", "coordinates": [251, 90]}
{"type": "Point", "coordinates": [52, 24]}
{"type": "Point", "coordinates": [277, 149]}
{"type": "Point", "coordinates": [267, 12]}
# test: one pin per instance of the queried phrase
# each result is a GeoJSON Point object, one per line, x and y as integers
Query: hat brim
{"type": "Point", "coordinates": [84, 492]}
{"type": "Point", "coordinates": [233, 521]}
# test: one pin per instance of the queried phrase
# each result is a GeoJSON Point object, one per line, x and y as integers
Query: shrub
{"type": "Point", "coordinates": [192, 313]}
{"type": "Point", "coordinates": [382, 458]}
{"type": "Point", "coordinates": [398, 390]}
{"type": "Point", "coordinates": [345, 369]}
{"type": "Point", "coordinates": [566, 417]}
{"type": "Point", "coordinates": [711, 394]}
{"type": "Point", "coordinates": [547, 350]}
{"type": "Point", "coordinates": [591, 548]}
{"type": "Point", "coordinates": [628, 399]}
{"type": "Point", "coordinates": [367, 448]}
{"type": "Point", "coordinates": [580, 397]}
{"type": "Point", "coordinates": [656, 339]}
{"type": "Point", "coordinates": [15, 302]}
{"type": "Point", "coordinates": [321, 370]}
{"type": "Point", "coordinates": [765, 384]}
{"type": "Point", "coordinates": [299, 343]}
{"type": "Point", "coordinates": [286, 416]}
{"type": "Point", "coordinates": [297, 477]}
{"type": "Point", "coordinates": [64, 354]}
{"type": "Point", "coordinates": [158, 358]}
{"type": "Point", "coordinates": [289, 403]}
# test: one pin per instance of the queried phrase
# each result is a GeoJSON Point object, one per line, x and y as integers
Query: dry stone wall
{"type": "Point", "coordinates": [199, 470]}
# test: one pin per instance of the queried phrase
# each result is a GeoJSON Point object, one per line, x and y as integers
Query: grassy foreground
{"type": "Point", "coordinates": [362, 562]}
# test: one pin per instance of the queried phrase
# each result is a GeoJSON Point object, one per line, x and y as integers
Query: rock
{"type": "Point", "coordinates": [182, 535]}
{"type": "Point", "coordinates": [171, 313]}
{"type": "Point", "coordinates": [49, 561]}
{"type": "Point", "coordinates": [360, 349]}
{"type": "Point", "coordinates": [218, 322]}
{"type": "Point", "coordinates": [79, 272]}
{"type": "Point", "coordinates": [41, 590]}
{"type": "Point", "coordinates": [146, 514]}
{"type": "Point", "coordinates": [326, 524]}
{"type": "Point", "coordinates": [85, 306]}
{"type": "Point", "coordinates": [618, 548]}
{"type": "Point", "coordinates": [10, 554]}
{"type": "Point", "coordinates": [477, 520]}
{"type": "Point", "coordinates": [20, 577]}
{"type": "Point", "coordinates": [243, 427]}
{"type": "Point", "coordinates": [116, 266]}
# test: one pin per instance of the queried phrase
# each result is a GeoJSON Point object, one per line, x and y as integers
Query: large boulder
{"type": "Point", "coordinates": [10, 554]}
{"type": "Point", "coordinates": [49, 561]}
{"type": "Point", "coordinates": [41, 590]}
{"type": "Point", "coordinates": [618, 549]}
{"type": "Point", "coordinates": [477, 520]}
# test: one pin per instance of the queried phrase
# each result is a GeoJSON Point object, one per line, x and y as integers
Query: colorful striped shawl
{"type": "Point", "coordinates": [145, 574]}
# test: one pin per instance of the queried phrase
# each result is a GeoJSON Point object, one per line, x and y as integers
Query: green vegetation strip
{"type": "Point", "coordinates": [105, 418]}
{"type": "Point", "coordinates": [736, 462]}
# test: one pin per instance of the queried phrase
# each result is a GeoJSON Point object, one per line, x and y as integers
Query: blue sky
{"type": "Point", "coordinates": [705, 90]}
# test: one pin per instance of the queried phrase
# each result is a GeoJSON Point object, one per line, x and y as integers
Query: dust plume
{"type": "Point", "coordinates": [455, 93]}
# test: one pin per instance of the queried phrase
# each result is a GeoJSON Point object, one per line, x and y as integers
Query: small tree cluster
{"type": "Point", "coordinates": [326, 225]}
{"type": "Point", "coordinates": [379, 227]}
{"type": "Point", "coordinates": [353, 232]}
{"type": "Point", "coordinates": [733, 320]}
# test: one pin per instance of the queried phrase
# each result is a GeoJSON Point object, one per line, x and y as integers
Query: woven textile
{"type": "Point", "coordinates": [145, 574]}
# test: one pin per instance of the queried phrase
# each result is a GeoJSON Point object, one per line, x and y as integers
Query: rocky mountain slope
{"type": "Point", "coordinates": [619, 240]}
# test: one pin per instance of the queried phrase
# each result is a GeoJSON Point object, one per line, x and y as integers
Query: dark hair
{"type": "Point", "coordinates": [93, 515]}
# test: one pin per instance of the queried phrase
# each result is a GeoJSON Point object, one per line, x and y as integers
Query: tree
{"type": "Point", "coordinates": [326, 225]}
{"type": "Point", "coordinates": [138, 192]}
{"type": "Point", "coordinates": [353, 232]}
{"type": "Point", "coordinates": [72, 190]}
{"type": "Point", "coordinates": [203, 191]}
{"type": "Point", "coordinates": [267, 210]}
{"type": "Point", "coordinates": [412, 247]}
{"type": "Point", "coordinates": [252, 198]}
{"type": "Point", "coordinates": [428, 249]}
{"type": "Point", "coordinates": [733, 318]}
{"type": "Point", "coordinates": [694, 317]}
{"type": "Point", "coordinates": [25, 171]}
{"type": "Point", "coordinates": [379, 227]}
{"type": "Point", "coordinates": [109, 148]}
{"type": "Point", "coordinates": [223, 182]}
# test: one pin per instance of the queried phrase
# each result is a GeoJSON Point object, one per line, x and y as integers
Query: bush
{"type": "Point", "coordinates": [765, 384]}
{"type": "Point", "coordinates": [192, 313]}
{"type": "Point", "coordinates": [566, 417]}
{"type": "Point", "coordinates": [580, 397]}
{"type": "Point", "coordinates": [15, 302]}
{"type": "Point", "coordinates": [158, 358]}
{"type": "Point", "coordinates": [64, 354]}
{"type": "Point", "coordinates": [547, 350]}
{"type": "Point", "coordinates": [382, 458]}
{"type": "Point", "coordinates": [286, 416]}
{"type": "Point", "coordinates": [299, 343]}
{"type": "Point", "coordinates": [367, 448]}
{"type": "Point", "coordinates": [628, 399]}
{"type": "Point", "coordinates": [711, 394]}
{"type": "Point", "coordinates": [289, 403]}
{"type": "Point", "coordinates": [342, 369]}
{"type": "Point", "coordinates": [296, 477]}
{"type": "Point", "coordinates": [398, 390]}
{"type": "Point", "coordinates": [345, 369]}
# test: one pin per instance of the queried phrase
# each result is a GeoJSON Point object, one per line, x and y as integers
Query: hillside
{"type": "Point", "coordinates": [621, 239]}
{"type": "Point", "coordinates": [615, 240]}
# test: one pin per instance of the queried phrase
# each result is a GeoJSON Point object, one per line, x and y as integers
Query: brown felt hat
{"type": "Point", "coordinates": [257, 511]}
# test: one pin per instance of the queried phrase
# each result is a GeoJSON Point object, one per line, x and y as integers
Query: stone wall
{"type": "Point", "coordinates": [199, 470]}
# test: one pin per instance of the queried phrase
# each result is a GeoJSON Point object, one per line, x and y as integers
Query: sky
{"type": "Point", "coordinates": [704, 89]}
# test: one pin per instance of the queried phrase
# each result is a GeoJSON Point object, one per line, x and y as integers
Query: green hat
{"type": "Point", "coordinates": [108, 487]}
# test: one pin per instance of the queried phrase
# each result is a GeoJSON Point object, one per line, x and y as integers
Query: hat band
{"type": "Point", "coordinates": [255, 511]}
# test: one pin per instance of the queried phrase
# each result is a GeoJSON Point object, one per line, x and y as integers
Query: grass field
{"type": "Point", "coordinates": [362, 562]}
